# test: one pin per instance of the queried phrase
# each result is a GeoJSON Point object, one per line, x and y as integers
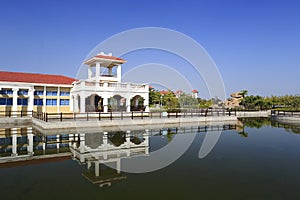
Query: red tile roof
{"type": "Point", "coordinates": [164, 92]}
{"type": "Point", "coordinates": [194, 91]}
{"type": "Point", "coordinates": [110, 57]}
{"type": "Point", "coordinates": [35, 78]}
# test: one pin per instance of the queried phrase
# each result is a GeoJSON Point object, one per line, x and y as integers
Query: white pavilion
{"type": "Point", "coordinates": [103, 90]}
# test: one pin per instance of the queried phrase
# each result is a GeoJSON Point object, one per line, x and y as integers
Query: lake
{"type": "Point", "coordinates": [256, 159]}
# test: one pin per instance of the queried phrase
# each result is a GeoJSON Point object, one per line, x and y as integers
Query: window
{"type": "Point", "coordinates": [23, 102]}
{"type": "Point", "coordinates": [39, 92]}
{"type": "Point", "coordinates": [2, 101]}
{"type": "Point", "coordinates": [6, 101]}
{"type": "Point", "coordinates": [51, 93]}
{"type": "Point", "coordinates": [64, 93]}
{"type": "Point", "coordinates": [64, 102]}
{"type": "Point", "coordinates": [51, 102]}
{"type": "Point", "coordinates": [6, 91]}
{"type": "Point", "coordinates": [38, 102]}
{"type": "Point", "coordinates": [9, 101]}
{"type": "Point", "coordinates": [23, 92]}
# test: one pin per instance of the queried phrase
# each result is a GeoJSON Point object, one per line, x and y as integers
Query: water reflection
{"type": "Point", "coordinates": [102, 153]}
{"type": "Point", "coordinates": [99, 152]}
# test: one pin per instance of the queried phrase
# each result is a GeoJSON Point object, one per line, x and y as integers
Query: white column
{"type": "Point", "coordinates": [14, 141]}
{"type": "Point", "coordinates": [97, 71]}
{"type": "Point", "coordinates": [90, 72]}
{"type": "Point", "coordinates": [82, 103]}
{"type": "Point", "coordinates": [97, 168]}
{"type": "Point", "coordinates": [82, 142]}
{"type": "Point", "coordinates": [128, 139]}
{"type": "Point", "coordinates": [30, 99]}
{"type": "Point", "coordinates": [15, 101]}
{"type": "Point", "coordinates": [71, 103]}
{"type": "Point", "coordinates": [105, 145]}
{"type": "Point", "coordinates": [119, 73]}
{"type": "Point", "coordinates": [89, 164]}
{"type": "Point", "coordinates": [30, 141]}
{"type": "Point", "coordinates": [118, 163]}
{"type": "Point", "coordinates": [44, 99]}
{"type": "Point", "coordinates": [146, 103]}
{"type": "Point", "coordinates": [128, 104]}
{"type": "Point", "coordinates": [75, 104]}
{"type": "Point", "coordinates": [57, 143]}
{"type": "Point", "coordinates": [146, 141]}
{"type": "Point", "coordinates": [58, 99]}
{"type": "Point", "coordinates": [105, 104]}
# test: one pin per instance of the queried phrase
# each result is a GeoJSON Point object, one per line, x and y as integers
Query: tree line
{"type": "Point", "coordinates": [168, 100]}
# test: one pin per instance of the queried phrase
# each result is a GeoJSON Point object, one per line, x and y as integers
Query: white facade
{"type": "Point", "coordinates": [103, 90]}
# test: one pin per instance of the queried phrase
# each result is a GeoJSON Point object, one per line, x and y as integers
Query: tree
{"type": "Point", "coordinates": [154, 96]}
{"type": "Point", "coordinates": [187, 101]}
{"type": "Point", "coordinates": [244, 93]}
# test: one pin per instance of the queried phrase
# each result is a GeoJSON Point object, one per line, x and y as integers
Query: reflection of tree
{"type": "Point", "coordinates": [289, 127]}
{"type": "Point", "coordinates": [170, 135]}
{"type": "Point", "coordinates": [117, 138]}
{"type": "Point", "coordinates": [256, 122]}
{"type": "Point", "coordinates": [135, 140]}
{"type": "Point", "coordinates": [243, 134]}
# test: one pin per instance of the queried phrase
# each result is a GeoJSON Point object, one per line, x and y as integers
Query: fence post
{"type": "Point", "coordinates": [142, 115]}
{"type": "Point", "coordinates": [159, 114]}
{"type": "Point", "coordinates": [99, 116]}
{"type": "Point", "coordinates": [131, 114]}
{"type": "Point", "coordinates": [176, 114]}
{"type": "Point", "coordinates": [74, 116]}
{"type": "Point", "coordinates": [61, 114]}
{"type": "Point", "coordinates": [111, 117]}
{"type": "Point", "coordinates": [151, 115]}
{"type": "Point", "coordinates": [121, 115]}
{"type": "Point", "coordinates": [229, 114]}
{"type": "Point", "coordinates": [87, 116]}
{"type": "Point", "coordinates": [21, 113]}
{"type": "Point", "coordinates": [46, 117]}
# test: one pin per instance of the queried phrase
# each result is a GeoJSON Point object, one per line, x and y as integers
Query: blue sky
{"type": "Point", "coordinates": [255, 44]}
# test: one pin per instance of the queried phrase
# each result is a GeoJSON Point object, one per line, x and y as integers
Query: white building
{"type": "Point", "coordinates": [103, 90]}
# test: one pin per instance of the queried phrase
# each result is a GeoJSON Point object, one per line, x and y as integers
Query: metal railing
{"type": "Point", "coordinates": [285, 113]}
{"type": "Point", "coordinates": [89, 116]}
{"type": "Point", "coordinates": [21, 113]}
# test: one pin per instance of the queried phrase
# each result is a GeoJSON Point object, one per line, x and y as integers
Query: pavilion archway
{"type": "Point", "coordinates": [94, 103]}
{"type": "Point", "coordinates": [137, 103]}
{"type": "Point", "coordinates": [117, 103]}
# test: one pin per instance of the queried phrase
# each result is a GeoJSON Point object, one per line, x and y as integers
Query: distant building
{"type": "Point", "coordinates": [195, 94]}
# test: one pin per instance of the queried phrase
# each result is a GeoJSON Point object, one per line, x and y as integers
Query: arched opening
{"type": "Point", "coordinates": [137, 103]}
{"type": "Point", "coordinates": [94, 103]}
{"type": "Point", "coordinates": [117, 103]}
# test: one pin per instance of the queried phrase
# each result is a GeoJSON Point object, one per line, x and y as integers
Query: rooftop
{"type": "Point", "coordinates": [35, 78]}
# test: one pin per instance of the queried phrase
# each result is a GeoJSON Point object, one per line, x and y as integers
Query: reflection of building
{"type": "Point", "coordinates": [103, 90]}
{"type": "Point", "coordinates": [38, 92]}
{"type": "Point", "coordinates": [97, 149]}
{"type": "Point", "coordinates": [22, 143]}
